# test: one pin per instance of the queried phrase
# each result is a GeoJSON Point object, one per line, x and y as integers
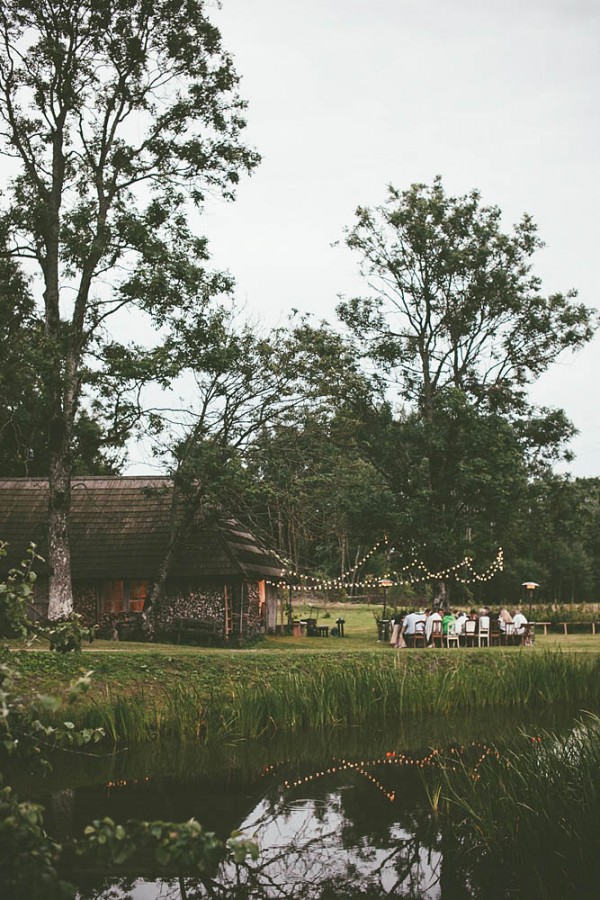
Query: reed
{"type": "Point", "coordinates": [530, 817]}
{"type": "Point", "coordinates": [324, 691]}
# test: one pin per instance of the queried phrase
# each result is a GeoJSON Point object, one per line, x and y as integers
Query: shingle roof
{"type": "Point", "coordinates": [119, 528]}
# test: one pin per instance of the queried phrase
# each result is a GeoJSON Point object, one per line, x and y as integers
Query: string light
{"type": "Point", "coordinates": [414, 572]}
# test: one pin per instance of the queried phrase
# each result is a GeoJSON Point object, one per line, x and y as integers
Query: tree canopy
{"type": "Point", "coordinates": [455, 302]}
{"type": "Point", "coordinates": [117, 116]}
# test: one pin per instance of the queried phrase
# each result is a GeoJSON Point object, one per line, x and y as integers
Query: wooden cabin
{"type": "Point", "coordinates": [222, 580]}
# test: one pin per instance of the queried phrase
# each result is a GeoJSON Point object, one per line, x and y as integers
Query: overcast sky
{"type": "Point", "coordinates": [346, 96]}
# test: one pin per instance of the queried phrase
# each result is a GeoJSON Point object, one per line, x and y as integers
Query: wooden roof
{"type": "Point", "coordinates": [119, 528]}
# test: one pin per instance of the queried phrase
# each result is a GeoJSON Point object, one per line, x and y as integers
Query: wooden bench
{"type": "Point", "coordinates": [565, 626]}
{"type": "Point", "coordinates": [191, 631]}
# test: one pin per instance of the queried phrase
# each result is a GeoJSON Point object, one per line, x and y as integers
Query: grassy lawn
{"type": "Point", "coordinates": [120, 666]}
{"type": "Point", "coordinates": [360, 634]}
{"type": "Point", "coordinates": [140, 691]}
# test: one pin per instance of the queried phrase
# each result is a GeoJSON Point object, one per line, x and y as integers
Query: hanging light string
{"type": "Point", "coordinates": [415, 572]}
{"type": "Point", "coordinates": [345, 576]}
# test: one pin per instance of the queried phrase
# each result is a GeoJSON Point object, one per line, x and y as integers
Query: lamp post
{"type": "Point", "coordinates": [385, 583]}
{"type": "Point", "coordinates": [530, 587]}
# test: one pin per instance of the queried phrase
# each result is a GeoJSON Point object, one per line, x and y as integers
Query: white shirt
{"type": "Point", "coordinates": [459, 625]}
{"type": "Point", "coordinates": [408, 626]}
{"type": "Point", "coordinates": [434, 617]}
{"type": "Point", "coordinates": [519, 622]}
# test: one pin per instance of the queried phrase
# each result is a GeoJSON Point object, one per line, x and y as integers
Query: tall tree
{"type": "Point", "coordinates": [456, 321]}
{"type": "Point", "coordinates": [241, 384]}
{"type": "Point", "coordinates": [116, 114]}
{"type": "Point", "coordinates": [23, 387]}
{"type": "Point", "coordinates": [455, 303]}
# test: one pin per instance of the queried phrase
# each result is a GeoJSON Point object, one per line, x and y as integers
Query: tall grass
{"type": "Point", "coordinates": [318, 692]}
{"type": "Point", "coordinates": [529, 818]}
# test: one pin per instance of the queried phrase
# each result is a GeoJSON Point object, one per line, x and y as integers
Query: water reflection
{"type": "Point", "coordinates": [341, 814]}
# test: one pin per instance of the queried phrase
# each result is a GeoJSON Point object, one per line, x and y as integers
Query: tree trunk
{"type": "Point", "coordinates": [183, 509]}
{"type": "Point", "coordinates": [64, 392]}
{"type": "Point", "coordinates": [60, 590]}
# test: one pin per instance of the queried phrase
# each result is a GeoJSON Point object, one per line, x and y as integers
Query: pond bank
{"type": "Point", "coordinates": [145, 696]}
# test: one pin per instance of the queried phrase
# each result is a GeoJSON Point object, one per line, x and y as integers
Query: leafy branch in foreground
{"type": "Point", "coordinates": [15, 593]}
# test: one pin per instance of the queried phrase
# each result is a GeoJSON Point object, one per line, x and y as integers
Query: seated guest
{"type": "Point", "coordinates": [484, 621]}
{"type": "Point", "coordinates": [459, 625]}
{"type": "Point", "coordinates": [448, 617]}
{"type": "Point", "coordinates": [397, 640]}
{"type": "Point", "coordinates": [519, 621]}
{"type": "Point", "coordinates": [504, 618]}
{"type": "Point", "coordinates": [434, 616]}
{"type": "Point", "coordinates": [409, 626]}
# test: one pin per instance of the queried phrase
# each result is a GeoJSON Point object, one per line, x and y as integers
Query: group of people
{"type": "Point", "coordinates": [407, 625]}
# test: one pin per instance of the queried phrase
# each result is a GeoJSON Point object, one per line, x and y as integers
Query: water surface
{"type": "Point", "coordinates": [344, 813]}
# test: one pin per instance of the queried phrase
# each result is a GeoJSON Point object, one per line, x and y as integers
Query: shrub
{"type": "Point", "coordinates": [14, 594]}
{"type": "Point", "coordinates": [67, 634]}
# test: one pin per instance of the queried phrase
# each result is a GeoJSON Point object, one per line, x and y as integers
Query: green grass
{"type": "Point", "coordinates": [360, 634]}
{"type": "Point", "coordinates": [140, 695]}
{"type": "Point", "coordinates": [143, 691]}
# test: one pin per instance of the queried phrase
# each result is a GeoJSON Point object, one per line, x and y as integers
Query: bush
{"type": "Point", "coordinates": [67, 634]}
{"type": "Point", "coordinates": [14, 594]}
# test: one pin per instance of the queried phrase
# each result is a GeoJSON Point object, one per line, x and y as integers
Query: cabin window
{"type": "Point", "coordinates": [123, 595]}
{"type": "Point", "coordinates": [137, 595]}
{"type": "Point", "coordinates": [113, 596]}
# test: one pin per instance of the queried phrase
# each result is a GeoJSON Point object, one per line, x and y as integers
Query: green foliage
{"type": "Point", "coordinates": [66, 635]}
{"type": "Point", "coordinates": [30, 860]}
{"type": "Point", "coordinates": [15, 593]}
{"type": "Point", "coordinates": [24, 385]}
{"type": "Point", "coordinates": [23, 734]}
{"type": "Point", "coordinates": [28, 857]}
{"type": "Point", "coordinates": [558, 543]}
{"type": "Point", "coordinates": [458, 326]}
{"type": "Point", "coordinates": [252, 695]}
{"type": "Point", "coordinates": [456, 304]}
{"type": "Point", "coordinates": [109, 157]}
{"type": "Point", "coordinates": [182, 847]}
{"type": "Point", "coordinates": [530, 818]}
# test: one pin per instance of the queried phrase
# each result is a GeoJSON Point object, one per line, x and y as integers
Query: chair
{"type": "Point", "coordinates": [495, 633]}
{"type": "Point", "coordinates": [418, 638]}
{"type": "Point", "coordinates": [437, 634]}
{"type": "Point", "coordinates": [470, 632]}
{"type": "Point", "coordinates": [451, 635]}
{"type": "Point", "coordinates": [483, 632]}
{"type": "Point", "coordinates": [311, 627]}
{"type": "Point", "coordinates": [508, 636]}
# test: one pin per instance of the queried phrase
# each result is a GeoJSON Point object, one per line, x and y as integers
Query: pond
{"type": "Point", "coordinates": [341, 814]}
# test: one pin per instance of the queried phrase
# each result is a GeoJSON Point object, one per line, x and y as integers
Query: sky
{"type": "Point", "coordinates": [348, 96]}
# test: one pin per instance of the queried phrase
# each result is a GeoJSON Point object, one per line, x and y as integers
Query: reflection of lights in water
{"type": "Point", "coordinates": [127, 782]}
{"type": "Point", "coordinates": [393, 758]}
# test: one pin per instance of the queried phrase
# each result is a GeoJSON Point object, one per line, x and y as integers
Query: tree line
{"type": "Point", "coordinates": [409, 415]}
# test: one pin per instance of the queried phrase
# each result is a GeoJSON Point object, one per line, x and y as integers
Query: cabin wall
{"type": "Point", "coordinates": [182, 601]}
{"type": "Point", "coordinates": [252, 605]}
